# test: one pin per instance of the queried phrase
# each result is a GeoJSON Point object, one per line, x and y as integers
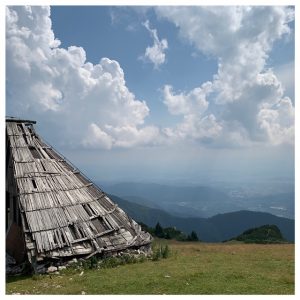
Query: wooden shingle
{"type": "Point", "coordinates": [63, 213]}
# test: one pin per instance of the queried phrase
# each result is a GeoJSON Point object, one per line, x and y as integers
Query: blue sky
{"type": "Point", "coordinates": [154, 93]}
{"type": "Point", "coordinates": [118, 33]}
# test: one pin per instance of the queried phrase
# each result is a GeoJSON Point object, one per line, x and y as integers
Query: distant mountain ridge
{"type": "Point", "coordinates": [202, 201]}
{"type": "Point", "coordinates": [188, 201]}
{"type": "Point", "coordinates": [214, 229]}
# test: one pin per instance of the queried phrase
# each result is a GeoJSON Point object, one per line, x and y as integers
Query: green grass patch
{"type": "Point", "coordinates": [190, 268]}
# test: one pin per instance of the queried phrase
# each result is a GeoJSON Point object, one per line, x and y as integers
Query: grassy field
{"type": "Point", "coordinates": [192, 268]}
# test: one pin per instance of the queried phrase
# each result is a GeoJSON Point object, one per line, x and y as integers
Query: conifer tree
{"type": "Point", "coordinates": [159, 232]}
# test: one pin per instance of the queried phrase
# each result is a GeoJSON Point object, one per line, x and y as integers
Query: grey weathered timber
{"type": "Point", "coordinates": [61, 212]}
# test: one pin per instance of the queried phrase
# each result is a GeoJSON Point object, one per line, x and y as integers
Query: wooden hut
{"type": "Point", "coordinates": [53, 211]}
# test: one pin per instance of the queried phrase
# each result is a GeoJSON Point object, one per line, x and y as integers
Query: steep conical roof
{"type": "Point", "coordinates": [62, 212]}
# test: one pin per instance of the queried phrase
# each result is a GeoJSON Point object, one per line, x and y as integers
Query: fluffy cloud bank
{"type": "Point", "coordinates": [89, 104]}
{"type": "Point", "coordinates": [250, 98]}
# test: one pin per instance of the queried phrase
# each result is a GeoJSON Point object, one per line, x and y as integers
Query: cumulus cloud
{"type": "Point", "coordinates": [192, 106]}
{"type": "Point", "coordinates": [195, 128]}
{"type": "Point", "coordinates": [123, 136]}
{"type": "Point", "coordinates": [85, 103]}
{"type": "Point", "coordinates": [187, 103]}
{"type": "Point", "coordinates": [286, 74]}
{"type": "Point", "coordinates": [248, 96]}
{"type": "Point", "coordinates": [97, 138]}
{"type": "Point", "coordinates": [90, 105]}
{"type": "Point", "coordinates": [156, 53]}
{"type": "Point", "coordinates": [278, 121]}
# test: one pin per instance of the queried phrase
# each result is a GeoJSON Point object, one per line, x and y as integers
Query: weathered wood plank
{"type": "Point", "coordinates": [62, 208]}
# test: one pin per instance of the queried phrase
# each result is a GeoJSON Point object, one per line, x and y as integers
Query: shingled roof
{"type": "Point", "coordinates": [62, 213]}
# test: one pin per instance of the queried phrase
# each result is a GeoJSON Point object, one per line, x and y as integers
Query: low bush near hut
{"type": "Point", "coordinates": [159, 251]}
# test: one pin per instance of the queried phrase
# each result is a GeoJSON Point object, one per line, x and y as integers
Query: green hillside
{"type": "Point", "coordinates": [193, 268]}
{"type": "Point", "coordinates": [266, 234]}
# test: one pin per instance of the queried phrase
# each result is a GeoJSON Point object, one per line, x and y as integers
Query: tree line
{"type": "Point", "coordinates": [169, 233]}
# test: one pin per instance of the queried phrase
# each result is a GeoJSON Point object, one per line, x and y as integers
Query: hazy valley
{"type": "Point", "coordinates": [275, 197]}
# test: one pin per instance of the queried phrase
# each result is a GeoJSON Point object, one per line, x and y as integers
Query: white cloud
{"type": "Point", "coordinates": [286, 74]}
{"type": "Point", "coordinates": [85, 103]}
{"type": "Point", "coordinates": [241, 38]}
{"type": "Point", "coordinates": [126, 136]}
{"type": "Point", "coordinates": [187, 103]}
{"type": "Point", "coordinates": [156, 53]}
{"type": "Point", "coordinates": [192, 106]}
{"type": "Point", "coordinates": [131, 136]}
{"type": "Point", "coordinates": [90, 104]}
{"type": "Point", "coordinates": [97, 138]}
{"type": "Point", "coordinates": [278, 122]}
{"type": "Point", "coordinates": [194, 128]}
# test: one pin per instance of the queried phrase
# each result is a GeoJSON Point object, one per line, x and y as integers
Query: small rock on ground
{"type": "Point", "coordinates": [51, 269]}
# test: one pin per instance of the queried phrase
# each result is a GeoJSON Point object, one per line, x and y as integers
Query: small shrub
{"type": "Point", "coordinates": [160, 251]}
{"type": "Point", "coordinates": [90, 263]}
{"type": "Point", "coordinates": [110, 262]}
{"type": "Point", "coordinates": [156, 254]}
{"type": "Point", "coordinates": [165, 252]}
{"type": "Point", "coordinates": [128, 259]}
{"type": "Point", "coordinates": [142, 258]}
{"type": "Point", "coordinates": [93, 262]}
{"type": "Point", "coordinates": [36, 277]}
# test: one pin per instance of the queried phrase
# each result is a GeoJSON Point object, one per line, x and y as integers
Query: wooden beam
{"type": "Point", "coordinates": [15, 120]}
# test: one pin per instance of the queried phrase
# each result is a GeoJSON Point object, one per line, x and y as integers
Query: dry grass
{"type": "Point", "coordinates": [193, 268]}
